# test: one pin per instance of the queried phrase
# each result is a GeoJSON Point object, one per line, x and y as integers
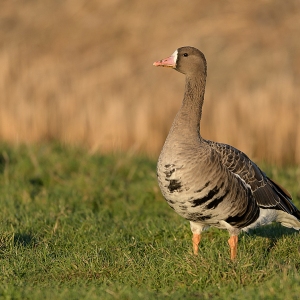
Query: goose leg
{"type": "Point", "coordinates": [233, 241]}
{"type": "Point", "coordinates": [196, 229]}
{"type": "Point", "coordinates": [196, 241]}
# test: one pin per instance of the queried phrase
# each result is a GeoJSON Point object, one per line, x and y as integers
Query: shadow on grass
{"type": "Point", "coordinates": [273, 232]}
{"type": "Point", "coordinates": [24, 239]}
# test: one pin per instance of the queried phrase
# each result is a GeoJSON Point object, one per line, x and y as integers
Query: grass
{"type": "Point", "coordinates": [81, 72]}
{"type": "Point", "coordinates": [75, 225]}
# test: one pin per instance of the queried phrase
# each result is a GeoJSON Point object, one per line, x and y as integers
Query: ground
{"type": "Point", "coordinates": [75, 225]}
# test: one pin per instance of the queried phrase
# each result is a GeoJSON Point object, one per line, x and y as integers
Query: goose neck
{"type": "Point", "coordinates": [191, 109]}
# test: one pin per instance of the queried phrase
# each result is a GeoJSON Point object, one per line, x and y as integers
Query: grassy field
{"type": "Point", "coordinates": [81, 72]}
{"type": "Point", "coordinates": [75, 225]}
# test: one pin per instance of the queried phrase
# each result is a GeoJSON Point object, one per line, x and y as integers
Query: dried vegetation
{"type": "Point", "coordinates": [81, 72]}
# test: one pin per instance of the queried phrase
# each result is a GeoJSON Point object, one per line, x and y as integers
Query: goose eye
{"type": "Point", "coordinates": [185, 54]}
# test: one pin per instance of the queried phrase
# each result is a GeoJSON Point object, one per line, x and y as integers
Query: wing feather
{"type": "Point", "coordinates": [267, 193]}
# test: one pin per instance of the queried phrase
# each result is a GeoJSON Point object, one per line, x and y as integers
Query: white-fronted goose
{"type": "Point", "coordinates": [213, 184]}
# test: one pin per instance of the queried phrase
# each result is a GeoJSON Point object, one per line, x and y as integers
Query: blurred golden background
{"type": "Point", "coordinates": [81, 72]}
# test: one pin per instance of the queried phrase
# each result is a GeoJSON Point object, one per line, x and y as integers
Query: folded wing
{"type": "Point", "coordinates": [267, 193]}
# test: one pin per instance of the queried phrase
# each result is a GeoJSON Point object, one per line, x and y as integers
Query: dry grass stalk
{"type": "Point", "coordinates": [81, 72]}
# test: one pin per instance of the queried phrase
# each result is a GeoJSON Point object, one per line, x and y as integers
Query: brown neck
{"type": "Point", "coordinates": [189, 115]}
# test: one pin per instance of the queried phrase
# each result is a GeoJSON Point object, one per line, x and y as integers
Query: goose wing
{"type": "Point", "coordinates": [266, 192]}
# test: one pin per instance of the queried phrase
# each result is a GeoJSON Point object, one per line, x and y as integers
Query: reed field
{"type": "Point", "coordinates": [80, 72]}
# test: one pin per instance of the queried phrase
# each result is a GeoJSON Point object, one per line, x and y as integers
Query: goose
{"type": "Point", "coordinates": [212, 184]}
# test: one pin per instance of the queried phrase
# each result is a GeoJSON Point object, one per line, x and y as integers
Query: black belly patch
{"type": "Point", "coordinates": [171, 201]}
{"type": "Point", "coordinates": [215, 202]}
{"type": "Point", "coordinates": [174, 185]}
{"type": "Point", "coordinates": [169, 172]}
{"type": "Point", "coordinates": [183, 207]}
{"type": "Point", "coordinates": [197, 217]}
{"type": "Point", "coordinates": [205, 185]}
{"type": "Point", "coordinates": [209, 196]}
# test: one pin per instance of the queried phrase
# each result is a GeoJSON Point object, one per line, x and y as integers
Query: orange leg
{"type": "Point", "coordinates": [196, 241]}
{"type": "Point", "coordinates": [233, 241]}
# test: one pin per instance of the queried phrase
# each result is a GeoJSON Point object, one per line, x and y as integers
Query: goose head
{"type": "Point", "coordinates": [187, 60]}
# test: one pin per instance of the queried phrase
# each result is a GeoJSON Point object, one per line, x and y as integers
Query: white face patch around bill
{"type": "Point", "coordinates": [174, 55]}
